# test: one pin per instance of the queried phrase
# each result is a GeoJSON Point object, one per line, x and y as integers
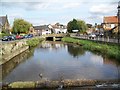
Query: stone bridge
{"type": "Point", "coordinates": [54, 37]}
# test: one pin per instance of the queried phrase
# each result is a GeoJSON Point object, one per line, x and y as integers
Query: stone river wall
{"type": "Point", "coordinates": [59, 85]}
{"type": "Point", "coordinates": [8, 50]}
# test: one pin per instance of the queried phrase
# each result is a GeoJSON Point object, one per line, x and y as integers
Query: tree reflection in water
{"type": "Point", "coordinates": [75, 50]}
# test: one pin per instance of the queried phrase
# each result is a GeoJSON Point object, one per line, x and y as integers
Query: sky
{"type": "Point", "coordinates": [41, 12]}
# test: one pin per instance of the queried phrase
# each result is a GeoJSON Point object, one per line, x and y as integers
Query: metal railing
{"type": "Point", "coordinates": [98, 38]}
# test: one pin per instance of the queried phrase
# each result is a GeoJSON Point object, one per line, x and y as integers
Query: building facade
{"type": "Point", "coordinates": [42, 30]}
{"type": "Point", "coordinates": [4, 24]}
{"type": "Point", "coordinates": [110, 24]}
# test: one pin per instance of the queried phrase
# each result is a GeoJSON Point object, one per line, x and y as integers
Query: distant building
{"type": "Point", "coordinates": [58, 28]}
{"type": "Point", "coordinates": [42, 30]}
{"type": "Point", "coordinates": [110, 23]}
{"type": "Point", "coordinates": [32, 31]}
{"type": "Point", "coordinates": [4, 24]}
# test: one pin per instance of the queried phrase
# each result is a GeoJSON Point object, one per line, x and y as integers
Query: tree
{"type": "Point", "coordinates": [75, 51]}
{"type": "Point", "coordinates": [21, 26]}
{"type": "Point", "coordinates": [76, 25]}
{"type": "Point", "coordinates": [82, 27]}
{"type": "Point", "coordinates": [72, 25]}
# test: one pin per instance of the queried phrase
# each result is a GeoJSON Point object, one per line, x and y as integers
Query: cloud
{"type": "Point", "coordinates": [36, 5]}
{"type": "Point", "coordinates": [71, 5]}
{"type": "Point", "coordinates": [103, 8]}
{"type": "Point", "coordinates": [58, 10]}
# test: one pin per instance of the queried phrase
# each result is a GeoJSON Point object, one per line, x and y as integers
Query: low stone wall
{"type": "Point", "coordinates": [11, 49]}
{"type": "Point", "coordinates": [63, 84]}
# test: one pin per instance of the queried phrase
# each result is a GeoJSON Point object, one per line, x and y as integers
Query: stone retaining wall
{"type": "Point", "coordinates": [11, 49]}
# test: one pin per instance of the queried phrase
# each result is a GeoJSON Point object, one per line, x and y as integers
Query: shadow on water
{"type": "Point", "coordinates": [14, 62]}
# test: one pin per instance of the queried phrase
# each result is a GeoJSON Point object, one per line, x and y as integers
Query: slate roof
{"type": "Point", "coordinates": [41, 27]}
{"type": "Point", "coordinates": [111, 19]}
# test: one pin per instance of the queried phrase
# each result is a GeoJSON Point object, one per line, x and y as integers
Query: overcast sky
{"type": "Point", "coordinates": [39, 12]}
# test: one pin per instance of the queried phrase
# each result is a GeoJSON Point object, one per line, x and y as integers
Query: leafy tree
{"type": "Point", "coordinates": [82, 27]}
{"type": "Point", "coordinates": [72, 25]}
{"type": "Point", "coordinates": [20, 26]}
{"type": "Point", "coordinates": [76, 25]}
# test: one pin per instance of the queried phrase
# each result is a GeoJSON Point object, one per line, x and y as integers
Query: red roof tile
{"type": "Point", "coordinates": [111, 19]}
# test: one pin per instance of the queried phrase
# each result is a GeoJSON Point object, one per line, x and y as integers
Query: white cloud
{"type": "Point", "coordinates": [103, 8]}
{"type": "Point", "coordinates": [36, 6]}
{"type": "Point", "coordinates": [58, 10]}
{"type": "Point", "coordinates": [71, 5]}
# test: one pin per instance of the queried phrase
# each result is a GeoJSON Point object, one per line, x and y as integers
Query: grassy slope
{"type": "Point", "coordinates": [112, 51]}
{"type": "Point", "coordinates": [34, 41]}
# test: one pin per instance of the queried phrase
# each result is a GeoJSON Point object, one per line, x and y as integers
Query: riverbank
{"type": "Point", "coordinates": [112, 51]}
{"type": "Point", "coordinates": [14, 48]}
{"type": "Point", "coordinates": [34, 42]}
{"type": "Point", "coordinates": [48, 84]}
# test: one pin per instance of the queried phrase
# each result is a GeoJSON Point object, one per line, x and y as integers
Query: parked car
{"type": "Point", "coordinates": [28, 36]}
{"type": "Point", "coordinates": [8, 38]}
{"type": "Point", "coordinates": [19, 37]}
{"type": "Point", "coordinates": [12, 37]}
{"type": "Point", "coordinates": [101, 34]}
{"type": "Point", "coordinates": [92, 36]}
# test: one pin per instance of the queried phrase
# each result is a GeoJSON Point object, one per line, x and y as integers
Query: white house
{"type": "Point", "coordinates": [42, 30]}
{"type": "Point", "coordinates": [58, 28]}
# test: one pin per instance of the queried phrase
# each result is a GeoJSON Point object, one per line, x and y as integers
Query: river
{"type": "Point", "coordinates": [57, 59]}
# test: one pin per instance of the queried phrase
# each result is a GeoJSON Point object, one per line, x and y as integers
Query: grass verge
{"type": "Point", "coordinates": [34, 42]}
{"type": "Point", "coordinates": [112, 51]}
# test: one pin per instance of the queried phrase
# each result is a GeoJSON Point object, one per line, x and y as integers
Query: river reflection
{"type": "Point", "coordinates": [13, 63]}
{"type": "Point", "coordinates": [56, 59]}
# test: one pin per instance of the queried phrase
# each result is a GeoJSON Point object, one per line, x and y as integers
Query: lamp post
{"type": "Point", "coordinates": [118, 22]}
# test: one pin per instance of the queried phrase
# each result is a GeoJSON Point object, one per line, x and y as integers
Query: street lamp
{"type": "Point", "coordinates": [118, 21]}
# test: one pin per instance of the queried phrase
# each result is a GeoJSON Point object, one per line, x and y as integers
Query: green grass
{"type": "Point", "coordinates": [34, 42]}
{"type": "Point", "coordinates": [112, 51]}
{"type": "Point", "coordinates": [22, 85]}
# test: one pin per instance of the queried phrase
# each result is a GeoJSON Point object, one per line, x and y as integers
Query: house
{"type": "Point", "coordinates": [32, 31]}
{"type": "Point", "coordinates": [58, 28]}
{"type": "Point", "coordinates": [42, 30]}
{"type": "Point", "coordinates": [110, 24]}
{"type": "Point", "coordinates": [4, 24]}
